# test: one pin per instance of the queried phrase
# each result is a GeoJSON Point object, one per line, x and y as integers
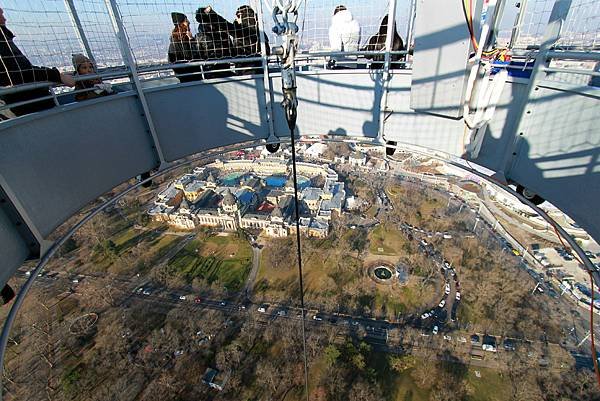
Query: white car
{"type": "Point", "coordinates": [447, 337]}
{"type": "Point", "coordinates": [447, 289]}
{"type": "Point", "coordinates": [442, 304]}
{"type": "Point", "coordinates": [458, 296]}
{"type": "Point", "coordinates": [435, 330]}
{"type": "Point", "coordinates": [446, 265]}
{"type": "Point", "coordinates": [147, 292]}
{"type": "Point", "coordinates": [262, 308]}
{"type": "Point", "coordinates": [425, 315]}
{"type": "Point", "coordinates": [182, 298]}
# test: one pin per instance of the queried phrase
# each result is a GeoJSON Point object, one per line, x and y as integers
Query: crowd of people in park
{"type": "Point", "coordinates": [216, 39]}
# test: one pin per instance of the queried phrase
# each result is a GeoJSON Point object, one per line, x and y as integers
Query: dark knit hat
{"type": "Point", "coordinates": [339, 8]}
{"type": "Point", "coordinates": [178, 18]}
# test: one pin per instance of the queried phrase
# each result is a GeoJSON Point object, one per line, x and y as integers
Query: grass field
{"type": "Point", "coordinates": [226, 260]}
{"type": "Point", "coordinates": [386, 240]}
{"type": "Point", "coordinates": [491, 386]}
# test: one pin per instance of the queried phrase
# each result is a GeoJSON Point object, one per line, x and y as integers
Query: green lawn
{"type": "Point", "coordinates": [225, 260]}
{"type": "Point", "coordinates": [489, 387]}
{"type": "Point", "coordinates": [386, 240]}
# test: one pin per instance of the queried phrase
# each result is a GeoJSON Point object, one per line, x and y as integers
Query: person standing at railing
{"type": "Point", "coordinates": [377, 43]}
{"type": "Point", "coordinates": [214, 42]}
{"type": "Point", "coordinates": [246, 36]}
{"type": "Point", "coordinates": [16, 69]}
{"type": "Point", "coordinates": [183, 47]}
{"type": "Point", "coordinates": [93, 88]}
{"type": "Point", "coordinates": [344, 36]}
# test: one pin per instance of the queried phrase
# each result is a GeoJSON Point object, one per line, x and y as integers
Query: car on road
{"type": "Point", "coordinates": [442, 303]}
{"type": "Point", "coordinates": [590, 255]}
{"type": "Point", "coordinates": [425, 315]}
{"type": "Point", "coordinates": [263, 308]}
{"type": "Point", "coordinates": [197, 300]}
{"type": "Point", "coordinates": [435, 330]}
{"type": "Point", "coordinates": [317, 317]}
{"type": "Point", "coordinates": [457, 295]}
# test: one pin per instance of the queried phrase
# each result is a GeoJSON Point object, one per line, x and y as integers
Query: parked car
{"type": "Point", "coordinates": [317, 317]}
{"type": "Point", "coordinates": [457, 296]}
{"type": "Point", "coordinates": [442, 303]}
{"type": "Point", "coordinates": [281, 312]}
{"type": "Point", "coordinates": [182, 298]}
{"type": "Point", "coordinates": [509, 345]}
{"type": "Point", "coordinates": [475, 339]}
{"type": "Point", "coordinates": [435, 330]}
{"type": "Point", "coordinates": [425, 315]}
{"type": "Point", "coordinates": [447, 289]}
{"type": "Point", "coordinates": [197, 300]}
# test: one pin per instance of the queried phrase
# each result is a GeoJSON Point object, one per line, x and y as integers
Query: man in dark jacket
{"type": "Point", "coordinates": [16, 69]}
{"type": "Point", "coordinates": [245, 33]}
{"type": "Point", "coordinates": [214, 41]}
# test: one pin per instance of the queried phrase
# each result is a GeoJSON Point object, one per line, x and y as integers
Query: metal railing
{"type": "Point", "coordinates": [51, 31]}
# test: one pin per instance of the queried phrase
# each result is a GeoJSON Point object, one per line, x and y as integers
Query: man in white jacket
{"type": "Point", "coordinates": [344, 32]}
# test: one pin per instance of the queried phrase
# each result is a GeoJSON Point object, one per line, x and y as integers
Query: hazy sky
{"type": "Point", "coordinates": [45, 32]}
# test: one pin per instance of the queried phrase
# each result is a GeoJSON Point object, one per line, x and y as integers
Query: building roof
{"type": "Point", "coordinates": [168, 193]}
{"type": "Point", "coordinates": [275, 193]}
{"type": "Point", "coordinates": [184, 204]}
{"type": "Point", "coordinates": [265, 207]}
{"type": "Point", "coordinates": [194, 186]}
{"type": "Point", "coordinates": [229, 199]}
{"type": "Point", "coordinates": [245, 196]}
{"type": "Point", "coordinates": [253, 182]}
{"type": "Point", "coordinates": [209, 199]}
{"type": "Point", "coordinates": [319, 224]}
{"type": "Point", "coordinates": [312, 194]}
{"type": "Point", "coordinates": [277, 212]}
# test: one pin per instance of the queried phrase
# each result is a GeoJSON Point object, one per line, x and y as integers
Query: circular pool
{"type": "Point", "coordinates": [382, 272]}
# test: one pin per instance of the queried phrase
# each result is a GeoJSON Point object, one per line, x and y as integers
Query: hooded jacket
{"type": "Point", "coordinates": [213, 35]}
{"type": "Point", "coordinates": [377, 43]}
{"type": "Point", "coordinates": [245, 34]}
{"type": "Point", "coordinates": [16, 69]}
{"type": "Point", "coordinates": [344, 32]}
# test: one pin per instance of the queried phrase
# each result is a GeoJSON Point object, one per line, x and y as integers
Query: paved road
{"type": "Point", "coordinates": [256, 253]}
